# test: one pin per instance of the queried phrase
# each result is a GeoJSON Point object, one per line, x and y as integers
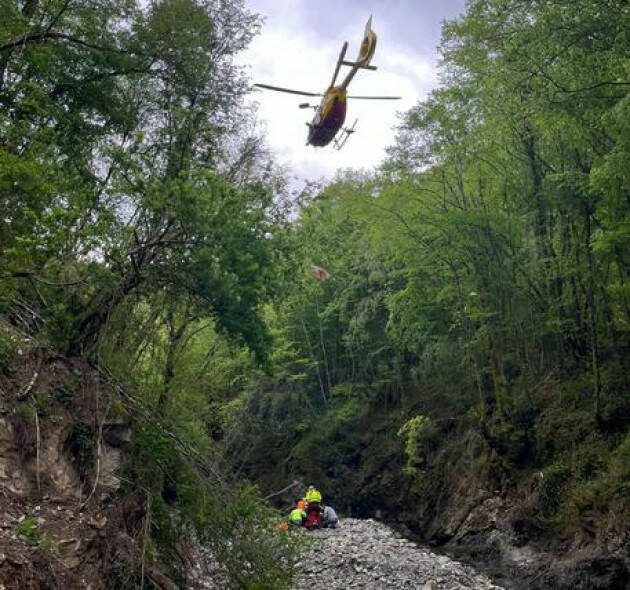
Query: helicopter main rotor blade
{"type": "Point", "coordinates": [288, 90]}
{"type": "Point", "coordinates": [376, 97]}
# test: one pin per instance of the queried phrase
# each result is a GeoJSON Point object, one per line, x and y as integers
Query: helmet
{"type": "Point", "coordinates": [301, 504]}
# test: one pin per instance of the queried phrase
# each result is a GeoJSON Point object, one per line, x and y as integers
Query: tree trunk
{"type": "Point", "coordinates": [94, 320]}
{"type": "Point", "coordinates": [592, 318]}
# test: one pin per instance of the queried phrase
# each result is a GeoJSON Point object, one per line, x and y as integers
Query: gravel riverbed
{"type": "Point", "coordinates": [369, 554]}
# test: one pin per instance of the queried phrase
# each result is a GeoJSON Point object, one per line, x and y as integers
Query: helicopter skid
{"type": "Point", "coordinates": [342, 138]}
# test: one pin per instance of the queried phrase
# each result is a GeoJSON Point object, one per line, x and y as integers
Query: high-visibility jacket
{"type": "Point", "coordinates": [313, 495]}
{"type": "Point", "coordinates": [297, 516]}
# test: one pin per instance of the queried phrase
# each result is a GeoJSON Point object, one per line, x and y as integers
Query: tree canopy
{"type": "Point", "coordinates": [474, 320]}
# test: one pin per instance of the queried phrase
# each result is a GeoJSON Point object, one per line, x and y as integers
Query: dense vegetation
{"type": "Point", "coordinates": [477, 319]}
{"type": "Point", "coordinates": [475, 331]}
{"type": "Point", "coordinates": [137, 216]}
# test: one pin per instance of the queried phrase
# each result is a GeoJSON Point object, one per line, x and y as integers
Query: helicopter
{"type": "Point", "coordinates": [330, 114]}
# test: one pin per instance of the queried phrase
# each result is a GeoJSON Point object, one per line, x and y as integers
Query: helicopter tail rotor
{"type": "Point", "coordinates": [366, 52]}
{"type": "Point", "coordinates": [368, 45]}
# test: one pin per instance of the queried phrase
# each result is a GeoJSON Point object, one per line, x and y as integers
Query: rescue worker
{"type": "Point", "coordinates": [298, 514]}
{"type": "Point", "coordinates": [330, 518]}
{"type": "Point", "coordinates": [313, 499]}
{"type": "Point", "coordinates": [312, 495]}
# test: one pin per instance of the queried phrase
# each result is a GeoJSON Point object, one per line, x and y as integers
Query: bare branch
{"type": "Point", "coordinates": [45, 36]}
{"type": "Point", "coordinates": [291, 485]}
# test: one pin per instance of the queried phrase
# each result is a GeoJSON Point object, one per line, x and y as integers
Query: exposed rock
{"type": "Point", "coordinates": [74, 519]}
{"type": "Point", "coordinates": [98, 522]}
{"type": "Point", "coordinates": [71, 562]}
{"type": "Point", "coordinates": [109, 481]}
{"type": "Point", "coordinates": [603, 573]}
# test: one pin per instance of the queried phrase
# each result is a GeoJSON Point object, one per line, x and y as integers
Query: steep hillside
{"type": "Point", "coordinates": [66, 522]}
{"type": "Point", "coordinates": [81, 505]}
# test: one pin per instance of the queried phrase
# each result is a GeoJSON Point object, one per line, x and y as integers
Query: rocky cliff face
{"type": "Point", "coordinates": [62, 522]}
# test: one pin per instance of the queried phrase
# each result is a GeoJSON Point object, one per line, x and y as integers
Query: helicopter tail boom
{"type": "Point", "coordinates": [340, 62]}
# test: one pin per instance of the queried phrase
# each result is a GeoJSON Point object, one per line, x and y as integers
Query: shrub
{"type": "Point", "coordinates": [621, 460]}
{"type": "Point", "coordinates": [80, 446]}
{"type": "Point", "coordinates": [63, 392]}
{"type": "Point", "coordinates": [27, 529]}
{"type": "Point", "coordinates": [417, 434]}
{"type": "Point", "coordinates": [554, 479]}
{"type": "Point", "coordinates": [8, 347]}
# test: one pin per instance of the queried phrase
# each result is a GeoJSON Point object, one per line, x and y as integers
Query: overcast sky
{"type": "Point", "coordinates": [298, 47]}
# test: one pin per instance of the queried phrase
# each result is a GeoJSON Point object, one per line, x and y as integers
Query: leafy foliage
{"type": "Point", "coordinates": [476, 320]}
{"type": "Point", "coordinates": [415, 432]}
{"type": "Point", "coordinates": [137, 230]}
{"type": "Point", "coordinates": [478, 279]}
{"type": "Point", "coordinates": [27, 529]}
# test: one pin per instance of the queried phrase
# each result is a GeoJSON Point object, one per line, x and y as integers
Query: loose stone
{"type": "Point", "coordinates": [368, 554]}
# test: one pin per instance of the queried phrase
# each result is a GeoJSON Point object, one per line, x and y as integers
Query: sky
{"type": "Point", "coordinates": [298, 47]}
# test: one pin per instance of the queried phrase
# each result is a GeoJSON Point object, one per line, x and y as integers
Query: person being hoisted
{"type": "Point", "coordinates": [298, 514]}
